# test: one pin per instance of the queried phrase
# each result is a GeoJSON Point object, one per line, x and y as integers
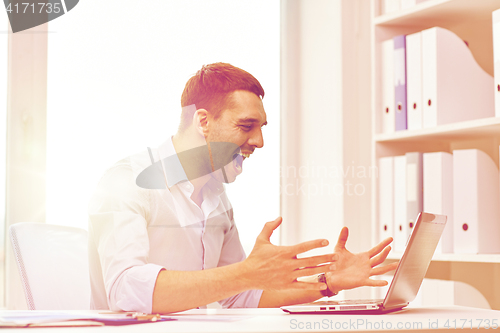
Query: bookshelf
{"type": "Point", "coordinates": [472, 22]}
{"type": "Point", "coordinates": [449, 257]}
{"type": "Point", "coordinates": [486, 128]}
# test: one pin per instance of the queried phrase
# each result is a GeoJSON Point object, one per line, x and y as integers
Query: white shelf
{"type": "Point", "coordinates": [471, 20]}
{"type": "Point", "coordinates": [472, 129]}
{"type": "Point", "coordinates": [440, 13]}
{"type": "Point", "coordinates": [479, 258]}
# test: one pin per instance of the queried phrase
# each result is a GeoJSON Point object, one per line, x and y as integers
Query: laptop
{"type": "Point", "coordinates": [407, 279]}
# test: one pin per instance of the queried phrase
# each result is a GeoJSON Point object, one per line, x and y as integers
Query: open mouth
{"type": "Point", "coordinates": [238, 161]}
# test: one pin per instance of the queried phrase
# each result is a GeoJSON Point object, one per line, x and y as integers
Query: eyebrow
{"type": "Point", "coordinates": [251, 120]}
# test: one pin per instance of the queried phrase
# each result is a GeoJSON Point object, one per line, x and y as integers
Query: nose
{"type": "Point", "coordinates": [257, 140]}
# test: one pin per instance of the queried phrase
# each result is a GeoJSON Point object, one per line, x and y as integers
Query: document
{"type": "Point", "coordinates": [438, 193]}
{"type": "Point", "coordinates": [414, 195]}
{"type": "Point", "coordinates": [455, 88]}
{"type": "Point", "coordinates": [400, 81]}
{"type": "Point", "coordinates": [387, 61]}
{"type": "Point", "coordinates": [414, 80]}
{"type": "Point", "coordinates": [386, 197]}
{"type": "Point", "coordinates": [28, 318]}
{"type": "Point", "coordinates": [476, 195]}
{"type": "Point", "coordinates": [400, 211]}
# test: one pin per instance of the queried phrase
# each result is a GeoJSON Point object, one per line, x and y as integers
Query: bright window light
{"type": "Point", "coordinates": [116, 71]}
{"type": "Point", "coordinates": [3, 144]}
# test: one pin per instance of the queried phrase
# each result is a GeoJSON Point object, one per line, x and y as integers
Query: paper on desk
{"type": "Point", "coordinates": [42, 318]}
{"type": "Point", "coordinates": [188, 317]}
{"type": "Point", "coordinates": [27, 317]}
{"type": "Point", "coordinates": [61, 318]}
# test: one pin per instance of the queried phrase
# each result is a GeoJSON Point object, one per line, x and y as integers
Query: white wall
{"type": "Point", "coordinates": [325, 116]}
{"type": "Point", "coordinates": [316, 140]}
{"type": "Point", "coordinates": [26, 141]}
{"type": "Point", "coordinates": [357, 122]}
{"type": "Point", "coordinates": [3, 144]}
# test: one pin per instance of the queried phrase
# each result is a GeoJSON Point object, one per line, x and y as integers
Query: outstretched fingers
{"type": "Point", "coordinates": [309, 285]}
{"type": "Point", "coordinates": [379, 247]}
{"type": "Point", "coordinates": [309, 271]}
{"type": "Point", "coordinates": [344, 234]}
{"type": "Point", "coordinates": [384, 269]}
{"type": "Point", "coordinates": [380, 258]}
{"type": "Point", "coordinates": [376, 283]}
{"type": "Point", "coordinates": [307, 246]}
{"type": "Point", "coordinates": [269, 227]}
{"type": "Point", "coordinates": [317, 260]}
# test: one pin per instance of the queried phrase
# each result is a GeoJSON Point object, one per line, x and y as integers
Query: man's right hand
{"type": "Point", "coordinates": [271, 267]}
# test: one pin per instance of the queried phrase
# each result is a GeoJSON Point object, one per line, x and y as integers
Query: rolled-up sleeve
{"type": "Point", "coordinates": [118, 229]}
{"type": "Point", "coordinates": [232, 252]}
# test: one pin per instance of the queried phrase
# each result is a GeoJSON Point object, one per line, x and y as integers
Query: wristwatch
{"type": "Point", "coordinates": [327, 292]}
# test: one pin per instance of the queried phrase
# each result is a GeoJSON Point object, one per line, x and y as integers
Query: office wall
{"type": "Point", "coordinates": [325, 121]}
{"type": "Point", "coordinates": [26, 142]}
{"type": "Point", "coordinates": [326, 125]}
{"type": "Point", "coordinates": [3, 144]}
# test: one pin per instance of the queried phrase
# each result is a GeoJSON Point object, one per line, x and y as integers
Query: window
{"type": "Point", "coordinates": [116, 71]}
{"type": "Point", "coordinates": [3, 145]}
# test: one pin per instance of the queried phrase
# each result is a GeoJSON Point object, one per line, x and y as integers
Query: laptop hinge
{"type": "Point", "coordinates": [396, 306]}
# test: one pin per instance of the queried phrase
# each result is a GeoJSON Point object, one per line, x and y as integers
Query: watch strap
{"type": "Point", "coordinates": [327, 292]}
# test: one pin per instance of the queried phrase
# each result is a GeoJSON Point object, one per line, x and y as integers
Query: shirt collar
{"type": "Point", "coordinates": [173, 168]}
{"type": "Point", "coordinates": [175, 172]}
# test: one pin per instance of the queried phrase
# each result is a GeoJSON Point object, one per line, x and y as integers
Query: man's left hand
{"type": "Point", "coordinates": [354, 270]}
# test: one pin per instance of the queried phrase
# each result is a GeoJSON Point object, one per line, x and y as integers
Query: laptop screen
{"type": "Point", "coordinates": [416, 259]}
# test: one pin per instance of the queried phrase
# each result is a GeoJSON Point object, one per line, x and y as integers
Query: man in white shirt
{"type": "Point", "coordinates": [161, 232]}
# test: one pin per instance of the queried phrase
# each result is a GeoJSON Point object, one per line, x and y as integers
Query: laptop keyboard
{"type": "Point", "coordinates": [351, 301]}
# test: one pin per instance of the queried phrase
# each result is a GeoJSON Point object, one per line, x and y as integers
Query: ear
{"type": "Point", "coordinates": [200, 122]}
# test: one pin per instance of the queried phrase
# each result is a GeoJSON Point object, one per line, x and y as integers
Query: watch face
{"type": "Point", "coordinates": [327, 292]}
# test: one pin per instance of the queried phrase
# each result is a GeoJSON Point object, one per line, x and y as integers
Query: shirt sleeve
{"type": "Point", "coordinates": [232, 252]}
{"type": "Point", "coordinates": [118, 214]}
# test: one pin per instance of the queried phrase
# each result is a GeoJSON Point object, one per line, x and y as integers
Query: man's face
{"type": "Point", "coordinates": [240, 124]}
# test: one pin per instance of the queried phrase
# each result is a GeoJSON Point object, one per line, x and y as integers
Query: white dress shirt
{"type": "Point", "coordinates": [135, 232]}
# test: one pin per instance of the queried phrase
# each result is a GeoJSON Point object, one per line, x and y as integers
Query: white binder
{"type": "Point", "coordinates": [414, 190]}
{"type": "Point", "coordinates": [387, 84]}
{"type": "Point", "coordinates": [414, 80]}
{"type": "Point", "coordinates": [400, 215]}
{"type": "Point", "coordinates": [405, 4]}
{"type": "Point", "coordinates": [438, 193]}
{"type": "Point", "coordinates": [496, 57]}
{"type": "Point", "coordinates": [476, 207]}
{"type": "Point", "coordinates": [386, 197]}
{"type": "Point", "coordinates": [455, 88]}
{"type": "Point", "coordinates": [390, 6]}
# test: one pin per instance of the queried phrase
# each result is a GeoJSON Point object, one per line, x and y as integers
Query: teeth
{"type": "Point", "coordinates": [245, 155]}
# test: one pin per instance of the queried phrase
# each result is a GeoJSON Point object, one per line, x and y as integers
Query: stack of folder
{"type": "Point", "coordinates": [464, 185]}
{"type": "Point", "coordinates": [431, 78]}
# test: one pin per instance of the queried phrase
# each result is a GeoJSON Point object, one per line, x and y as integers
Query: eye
{"type": "Point", "coordinates": [246, 127]}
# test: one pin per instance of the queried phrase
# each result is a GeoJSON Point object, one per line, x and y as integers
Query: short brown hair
{"type": "Point", "coordinates": [210, 89]}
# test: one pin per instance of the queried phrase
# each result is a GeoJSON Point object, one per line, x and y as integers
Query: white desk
{"type": "Point", "coordinates": [274, 320]}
